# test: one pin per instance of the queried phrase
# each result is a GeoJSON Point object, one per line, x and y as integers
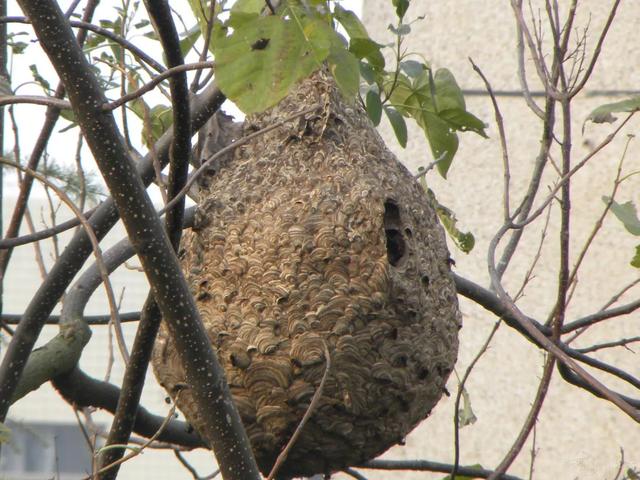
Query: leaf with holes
{"type": "Point", "coordinates": [259, 62]}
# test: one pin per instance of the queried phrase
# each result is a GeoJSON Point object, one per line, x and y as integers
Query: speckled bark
{"type": "Point", "coordinates": [315, 235]}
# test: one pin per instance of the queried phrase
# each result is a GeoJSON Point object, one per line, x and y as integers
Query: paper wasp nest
{"type": "Point", "coordinates": [309, 238]}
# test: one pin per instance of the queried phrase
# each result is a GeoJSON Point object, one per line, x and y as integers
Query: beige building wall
{"type": "Point", "coordinates": [578, 435]}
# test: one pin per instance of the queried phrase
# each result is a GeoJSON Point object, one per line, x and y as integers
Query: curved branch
{"type": "Point", "coordinates": [428, 466]}
{"type": "Point", "coordinates": [35, 100]}
{"type": "Point", "coordinates": [81, 390]}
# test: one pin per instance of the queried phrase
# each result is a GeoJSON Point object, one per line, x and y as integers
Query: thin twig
{"type": "Point", "coordinates": [95, 244]}
{"type": "Point", "coordinates": [305, 418]}
{"type": "Point", "coordinates": [623, 342]}
{"type": "Point", "coordinates": [503, 142]}
{"type": "Point", "coordinates": [456, 416]}
{"type": "Point", "coordinates": [155, 81]}
{"type": "Point", "coordinates": [529, 423]}
{"type": "Point", "coordinates": [138, 451]}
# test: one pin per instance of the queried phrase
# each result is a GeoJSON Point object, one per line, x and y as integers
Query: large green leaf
{"type": "Point", "coordinates": [369, 50]}
{"type": "Point", "coordinates": [442, 140]}
{"type": "Point", "coordinates": [448, 93]}
{"type": "Point", "coordinates": [604, 113]}
{"type": "Point", "coordinates": [464, 121]}
{"type": "Point", "coordinates": [259, 62]}
{"type": "Point", "coordinates": [244, 11]}
{"type": "Point", "coordinates": [350, 22]}
{"type": "Point", "coordinates": [345, 68]}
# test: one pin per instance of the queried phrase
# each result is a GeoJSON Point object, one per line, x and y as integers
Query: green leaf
{"type": "Point", "coordinates": [345, 68]}
{"type": "Point", "coordinates": [635, 261]}
{"type": "Point", "coordinates": [604, 113]}
{"type": "Point", "coordinates": [369, 50]}
{"type": "Point", "coordinates": [402, 94]}
{"type": "Point", "coordinates": [368, 73]}
{"type": "Point", "coordinates": [248, 6]}
{"type": "Point", "coordinates": [18, 48]}
{"type": "Point", "coordinates": [259, 62]}
{"type": "Point", "coordinates": [401, 7]}
{"type": "Point", "coordinates": [200, 10]}
{"type": "Point", "coordinates": [350, 22]}
{"type": "Point", "coordinates": [374, 106]}
{"type": "Point", "coordinates": [39, 79]}
{"type": "Point", "coordinates": [412, 68]}
{"type": "Point", "coordinates": [464, 121]}
{"type": "Point", "coordinates": [5, 433]}
{"type": "Point", "coordinates": [244, 11]}
{"type": "Point", "coordinates": [448, 93]}
{"type": "Point", "coordinates": [189, 39]}
{"type": "Point", "coordinates": [442, 140]}
{"type": "Point", "coordinates": [465, 241]}
{"type": "Point", "coordinates": [398, 124]}
{"type": "Point", "coordinates": [626, 213]}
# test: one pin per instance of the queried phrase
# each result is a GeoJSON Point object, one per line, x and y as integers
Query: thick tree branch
{"type": "Point", "coordinates": [80, 390]}
{"type": "Point", "coordinates": [135, 373]}
{"type": "Point", "coordinates": [205, 377]}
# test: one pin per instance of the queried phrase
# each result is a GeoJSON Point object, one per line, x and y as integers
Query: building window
{"type": "Point", "coordinates": [45, 450]}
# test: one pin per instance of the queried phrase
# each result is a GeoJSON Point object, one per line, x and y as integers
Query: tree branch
{"type": "Point", "coordinates": [224, 431]}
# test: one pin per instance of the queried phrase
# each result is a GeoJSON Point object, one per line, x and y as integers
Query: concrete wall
{"type": "Point", "coordinates": [578, 435]}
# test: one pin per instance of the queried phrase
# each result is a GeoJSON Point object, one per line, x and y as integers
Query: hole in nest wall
{"type": "Point", "coordinates": [396, 245]}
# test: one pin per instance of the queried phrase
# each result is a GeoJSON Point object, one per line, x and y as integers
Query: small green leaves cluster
{"type": "Point", "coordinates": [411, 89]}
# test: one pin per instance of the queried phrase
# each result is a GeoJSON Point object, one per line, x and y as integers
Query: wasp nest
{"type": "Point", "coordinates": [313, 238]}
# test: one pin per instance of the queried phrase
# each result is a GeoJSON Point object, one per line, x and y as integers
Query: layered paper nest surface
{"type": "Point", "coordinates": [315, 238]}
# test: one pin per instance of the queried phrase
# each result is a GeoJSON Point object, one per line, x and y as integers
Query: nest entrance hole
{"type": "Point", "coordinates": [396, 244]}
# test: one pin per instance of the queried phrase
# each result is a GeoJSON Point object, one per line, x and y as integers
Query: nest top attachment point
{"type": "Point", "coordinates": [311, 240]}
